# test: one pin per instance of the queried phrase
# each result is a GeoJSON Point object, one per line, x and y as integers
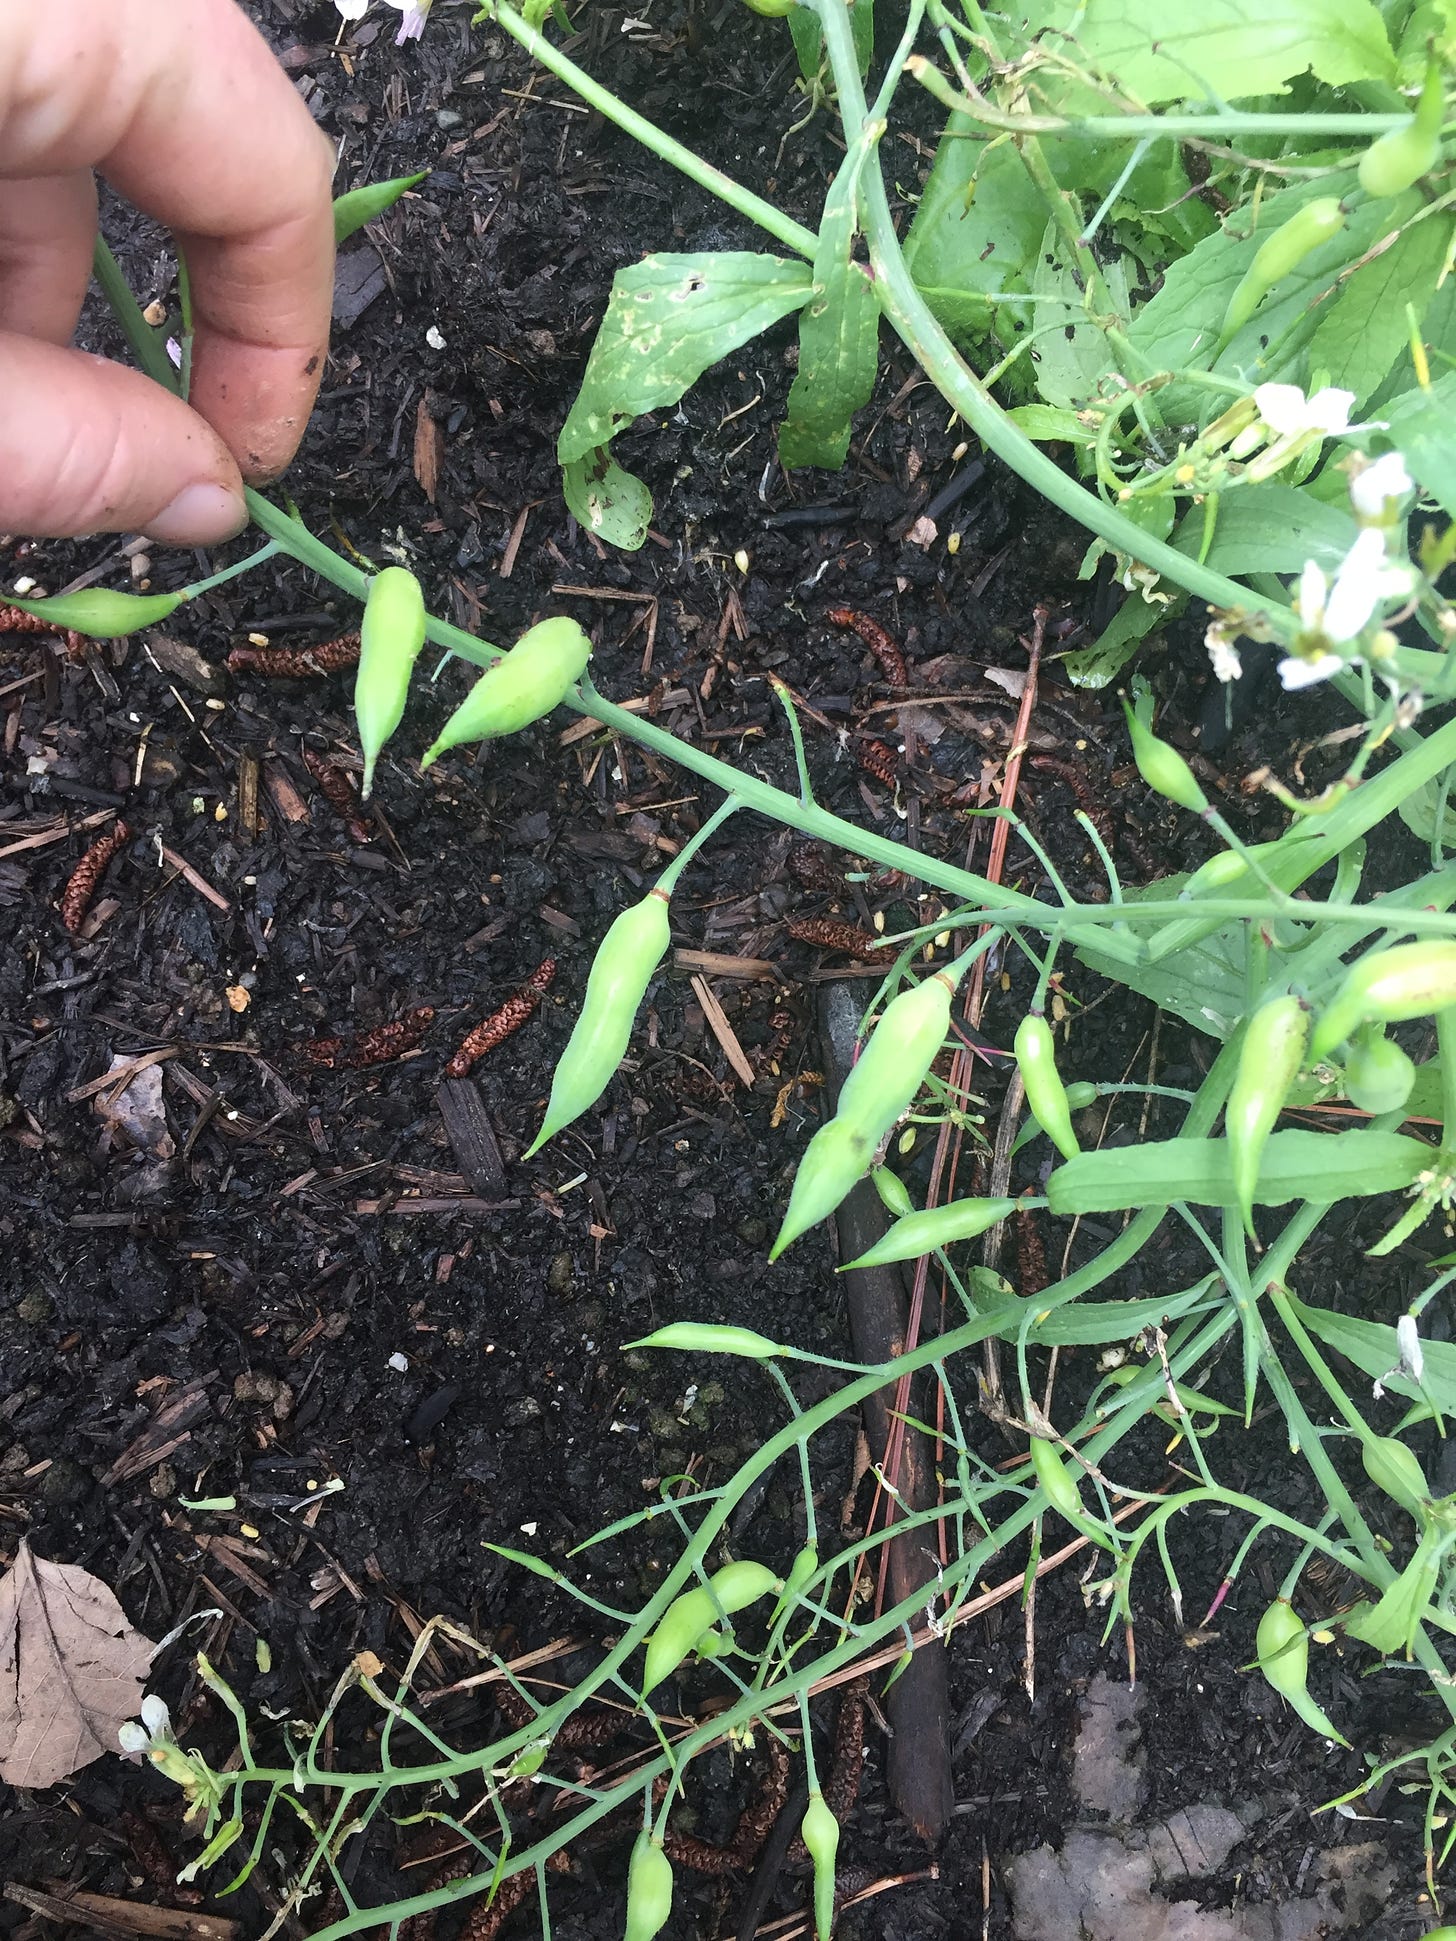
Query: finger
{"type": "Point", "coordinates": [89, 446]}
{"type": "Point", "coordinates": [186, 112]}
{"type": "Point", "coordinates": [47, 228]}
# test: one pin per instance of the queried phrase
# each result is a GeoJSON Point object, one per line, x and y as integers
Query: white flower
{"type": "Point", "coordinates": [352, 9]}
{"type": "Point", "coordinates": [1286, 410]}
{"type": "Point", "coordinates": [412, 24]}
{"type": "Point", "coordinates": [1374, 485]}
{"type": "Point", "coordinates": [1338, 613]}
{"type": "Point", "coordinates": [1412, 1363]}
{"type": "Point", "coordinates": [1295, 673]}
{"type": "Point", "coordinates": [1223, 654]}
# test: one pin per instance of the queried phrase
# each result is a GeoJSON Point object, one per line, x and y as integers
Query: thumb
{"type": "Point", "coordinates": [89, 446]}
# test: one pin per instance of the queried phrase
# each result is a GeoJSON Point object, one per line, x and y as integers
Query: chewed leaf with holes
{"type": "Point", "coordinates": [670, 317]}
{"type": "Point", "coordinates": [606, 500]}
{"type": "Point", "coordinates": [838, 336]}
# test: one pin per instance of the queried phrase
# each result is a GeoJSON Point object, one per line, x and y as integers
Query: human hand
{"type": "Point", "coordinates": [183, 109]}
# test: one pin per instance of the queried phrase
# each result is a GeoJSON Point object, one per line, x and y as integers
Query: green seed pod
{"type": "Point", "coordinates": [1046, 1096]}
{"type": "Point", "coordinates": [391, 635]}
{"type": "Point", "coordinates": [1397, 1472]}
{"type": "Point", "coordinates": [532, 679]}
{"type": "Point", "coordinates": [772, 9]}
{"type": "Point", "coordinates": [358, 206]}
{"type": "Point", "coordinates": [931, 1227]}
{"type": "Point", "coordinates": [711, 1338]}
{"type": "Point", "coordinates": [893, 1192]}
{"type": "Point", "coordinates": [103, 615]}
{"type": "Point", "coordinates": [690, 1617]}
{"type": "Point", "coordinates": [1318, 222]}
{"type": "Point", "coordinates": [1218, 873]}
{"type": "Point", "coordinates": [820, 1834]}
{"type": "Point", "coordinates": [649, 1889]}
{"type": "Point", "coordinates": [800, 1571]}
{"type": "Point", "coordinates": [621, 971]}
{"type": "Point", "coordinates": [1282, 1646]}
{"type": "Point", "coordinates": [1080, 1094]}
{"type": "Point", "coordinates": [1057, 1481]}
{"type": "Point", "coordinates": [1269, 1062]}
{"type": "Point", "coordinates": [1388, 987]}
{"type": "Point", "coordinates": [890, 1071]}
{"type": "Point", "coordinates": [1162, 767]}
{"type": "Point", "coordinates": [1397, 160]}
{"type": "Point", "coordinates": [1378, 1075]}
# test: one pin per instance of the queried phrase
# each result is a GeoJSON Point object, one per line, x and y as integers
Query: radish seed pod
{"type": "Point", "coordinates": [1388, 987]}
{"type": "Point", "coordinates": [1282, 1647]}
{"type": "Point", "coordinates": [649, 1889]}
{"type": "Point", "coordinates": [1269, 1062]}
{"type": "Point", "coordinates": [391, 635]}
{"type": "Point", "coordinates": [615, 987]}
{"type": "Point", "coordinates": [103, 615]}
{"type": "Point", "coordinates": [930, 1227]}
{"type": "Point", "coordinates": [1396, 160]}
{"type": "Point", "coordinates": [1046, 1096]}
{"type": "Point", "coordinates": [888, 1074]}
{"type": "Point", "coordinates": [524, 684]}
{"type": "Point", "coordinates": [820, 1834]}
{"type": "Point", "coordinates": [689, 1618]}
{"type": "Point", "coordinates": [1318, 222]}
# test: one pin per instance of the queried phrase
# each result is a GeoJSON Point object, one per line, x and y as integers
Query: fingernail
{"type": "Point", "coordinates": [200, 515]}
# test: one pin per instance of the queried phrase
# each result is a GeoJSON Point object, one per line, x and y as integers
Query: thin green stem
{"type": "Point", "coordinates": [667, 880]}
{"type": "Point", "coordinates": [232, 572]}
{"type": "Point", "coordinates": [793, 235]}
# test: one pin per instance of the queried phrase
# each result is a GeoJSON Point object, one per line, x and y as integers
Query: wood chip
{"type": "Point", "coordinates": [107, 1914]}
{"type": "Point", "coordinates": [723, 1031]}
{"type": "Point", "coordinates": [197, 880]}
{"type": "Point", "coordinates": [472, 1138]}
{"type": "Point", "coordinates": [429, 448]}
{"type": "Point", "coordinates": [714, 964]}
{"type": "Point", "coordinates": [168, 1428]}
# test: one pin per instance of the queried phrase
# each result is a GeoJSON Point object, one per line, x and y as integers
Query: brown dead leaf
{"type": "Point", "coordinates": [71, 1670]}
{"type": "Point", "coordinates": [429, 448]}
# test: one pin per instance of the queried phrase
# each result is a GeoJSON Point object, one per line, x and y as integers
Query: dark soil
{"type": "Point", "coordinates": [307, 1279]}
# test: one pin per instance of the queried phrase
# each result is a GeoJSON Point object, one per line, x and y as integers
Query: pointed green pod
{"type": "Point", "coordinates": [689, 1618]}
{"type": "Point", "coordinates": [1282, 1646]}
{"type": "Point", "coordinates": [1312, 225]}
{"type": "Point", "coordinates": [1399, 158]}
{"type": "Point", "coordinates": [820, 1834]}
{"type": "Point", "coordinates": [1046, 1096]}
{"type": "Point", "coordinates": [621, 971]}
{"type": "Point", "coordinates": [1269, 1062]}
{"type": "Point", "coordinates": [922, 1232]}
{"type": "Point", "coordinates": [533, 678]}
{"type": "Point", "coordinates": [1396, 1471]}
{"type": "Point", "coordinates": [890, 1071]}
{"type": "Point", "coordinates": [103, 615]}
{"type": "Point", "coordinates": [1378, 1075]}
{"type": "Point", "coordinates": [391, 635]}
{"type": "Point", "coordinates": [649, 1889]}
{"type": "Point", "coordinates": [1162, 767]}
{"type": "Point", "coordinates": [1388, 987]}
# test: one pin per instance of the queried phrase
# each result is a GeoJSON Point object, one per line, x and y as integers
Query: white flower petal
{"type": "Point", "coordinates": [1386, 479]}
{"type": "Point", "coordinates": [1358, 587]}
{"type": "Point", "coordinates": [1295, 673]}
{"type": "Point", "coordinates": [1223, 655]}
{"type": "Point", "coordinates": [1281, 406]}
{"type": "Point", "coordinates": [1310, 600]}
{"type": "Point", "coordinates": [1412, 1359]}
{"type": "Point", "coordinates": [352, 9]}
{"type": "Point", "coordinates": [133, 1737]}
{"type": "Point", "coordinates": [1329, 411]}
{"type": "Point", "coordinates": [155, 1716]}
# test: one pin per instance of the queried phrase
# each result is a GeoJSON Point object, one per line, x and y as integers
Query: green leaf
{"type": "Point", "coordinates": [1269, 527]}
{"type": "Point", "coordinates": [1101, 663]}
{"type": "Point", "coordinates": [976, 234]}
{"type": "Point", "coordinates": [1373, 1348]}
{"type": "Point", "coordinates": [1049, 424]}
{"type": "Point", "coordinates": [1223, 48]}
{"type": "Point", "coordinates": [1365, 328]}
{"type": "Point", "coordinates": [1179, 327]}
{"type": "Point", "coordinates": [838, 337]}
{"type": "Point", "coordinates": [1422, 426]}
{"type": "Point", "coordinates": [808, 37]}
{"type": "Point", "coordinates": [1314, 1166]}
{"type": "Point", "coordinates": [606, 500]}
{"type": "Point", "coordinates": [670, 317]}
{"type": "Point", "coordinates": [1205, 983]}
{"type": "Point", "coordinates": [1091, 1324]}
{"type": "Point", "coordinates": [357, 206]}
{"type": "Point", "coordinates": [1071, 349]}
